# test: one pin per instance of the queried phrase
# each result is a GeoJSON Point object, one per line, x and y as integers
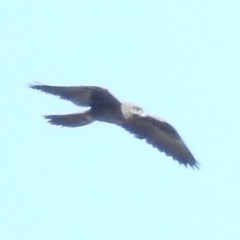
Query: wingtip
{"type": "Point", "coordinates": [35, 85]}
{"type": "Point", "coordinates": [196, 165]}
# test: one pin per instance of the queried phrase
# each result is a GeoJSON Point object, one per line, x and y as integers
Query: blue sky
{"type": "Point", "coordinates": [179, 60]}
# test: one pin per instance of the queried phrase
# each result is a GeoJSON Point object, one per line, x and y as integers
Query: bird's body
{"type": "Point", "coordinates": [106, 108]}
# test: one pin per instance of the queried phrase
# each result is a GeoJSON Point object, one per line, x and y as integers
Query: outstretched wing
{"type": "Point", "coordinates": [85, 96]}
{"type": "Point", "coordinates": [162, 136]}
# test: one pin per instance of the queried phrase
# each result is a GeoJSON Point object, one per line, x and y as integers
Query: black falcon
{"type": "Point", "coordinates": [106, 108]}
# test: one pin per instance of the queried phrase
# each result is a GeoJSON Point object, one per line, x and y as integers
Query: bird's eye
{"type": "Point", "coordinates": [138, 109]}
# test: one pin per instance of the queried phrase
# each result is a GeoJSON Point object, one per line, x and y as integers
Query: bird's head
{"type": "Point", "coordinates": [129, 110]}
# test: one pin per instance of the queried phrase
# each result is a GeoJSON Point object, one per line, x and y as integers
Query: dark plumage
{"type": "Point", "coordinates": [105, 107]}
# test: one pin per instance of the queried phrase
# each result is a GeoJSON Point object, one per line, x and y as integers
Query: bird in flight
{"type": "Point", "coordinates": [105, 107]}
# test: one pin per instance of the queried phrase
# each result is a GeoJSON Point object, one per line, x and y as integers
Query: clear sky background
{"type": "Point", "coordinates": [179, 60]}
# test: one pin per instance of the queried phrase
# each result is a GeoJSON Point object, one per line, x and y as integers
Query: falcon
{"type": "Point", "coordinates": [105, 107]}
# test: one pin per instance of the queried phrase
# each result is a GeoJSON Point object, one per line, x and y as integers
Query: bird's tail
{"type": "Point", "coordinates": [70, 120]}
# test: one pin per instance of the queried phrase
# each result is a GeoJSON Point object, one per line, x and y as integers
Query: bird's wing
{"type": "Point", "coordinates": [162, 136]}
{"type": "Point", "coordinates": [85, 96]}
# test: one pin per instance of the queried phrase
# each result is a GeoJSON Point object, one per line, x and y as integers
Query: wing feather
{"type": "Point", "coordinates": [162, 136]}
{"type": "Point", "coordinates": [85, 96]}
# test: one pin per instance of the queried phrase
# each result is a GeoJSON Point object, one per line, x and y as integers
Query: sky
{"type": "Point", "coordinates": [179, 60]}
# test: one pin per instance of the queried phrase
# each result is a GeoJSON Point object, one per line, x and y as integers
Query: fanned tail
{"type": "Point", "coordinates": [70, 120]}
